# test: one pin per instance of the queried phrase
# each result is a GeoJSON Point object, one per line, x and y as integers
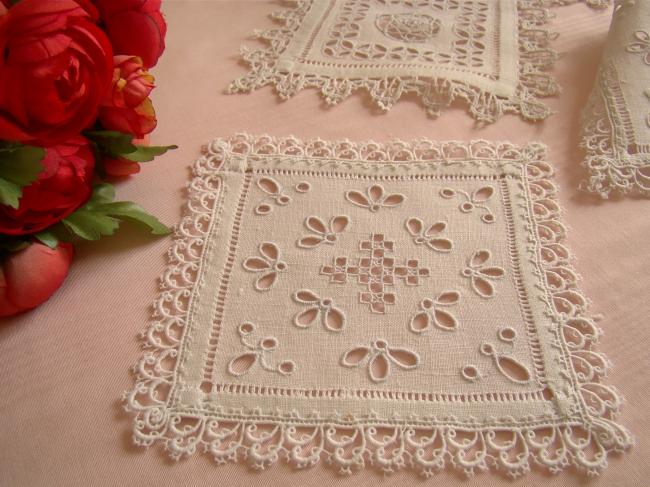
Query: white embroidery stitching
{"type": "Point", "coordinates": [376, 272]}
{"type": "Point", "coordinates": [476, 200]}
{"type": "Point", "coordinates": [464, 54]}
{"type": "Point", "coordinates": [257, 354]}
{"type": "Point", "coordinates": [379, 355]}
{"type": "Point", "coordinates": [269, 266]}
{"type": "Point", "coordinates": [415, 227]}
{"type": "Point", "coordinates": [375, 198]}
{"type": "Point", "coordinates": [323, 234]}
{"type": "Point", "coordinates": [431, 314]}
{"type": "Point", "coordinates": [318, 309]}
{"type": "Point", "coordinates": [229, 435]}
{"type": "Point", "coordinates": [480, 274]}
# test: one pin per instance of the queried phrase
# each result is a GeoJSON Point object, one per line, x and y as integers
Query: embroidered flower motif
{"type": "Point", "coordinates": [323, 309]}
{"type": "Point", "coordinates": [257, 354]}
{"type": "Point", "coordinates": [511, 368]}
{"type": "Point", "coordinates": [641, 45]}
{"type": "Point", "coordinates": [323, 233]}
{"type": "Point", "coordinates": [375, 198]}
{"type": "Point", "coordinates": [415, 227]}
{"type": "Point", "coordinates": [408, 27]}
{"type": "Point", "coordinates": [379, 357]}
{"type": "Point", "coordinates": [274, 189]}
{"type": "Point", "coordinates": [476, 200]}
{"type": "Point", "coordinates": [431, 314]}
{"type": "Point", "coordinates": [268, 266]}
{"type": "Point", "coordinates": [480, 275]}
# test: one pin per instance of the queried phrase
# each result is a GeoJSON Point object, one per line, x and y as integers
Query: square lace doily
{"type": "Point", "coordinates": [494, 54]}
{"type": "Point", "coordinates": [401, 304]}
{"type": "Point", "coordinates": [616, 125]}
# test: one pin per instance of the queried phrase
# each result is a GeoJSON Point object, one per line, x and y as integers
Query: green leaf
{"type": "Point", "coordinates": [144, 153]}
{"type": "Point", "coordinates": [111, 142]}
{"type": "Point", "coordinates": [101, 216]}
{"type": "Point", "coordinates": [102, 193]}
{"type": "Point", "coordinates": [10, 193]}
{"type": "Point", "coordinates": [118, 144]}
{"type": "Point", "coordinates": [134, 213]}
{"type": "Point", "coordinates": [20, 166]}
{"type": "Point", "coordinates": [91, 225]}
{"type": "Point", "coordinates": [48, 238]}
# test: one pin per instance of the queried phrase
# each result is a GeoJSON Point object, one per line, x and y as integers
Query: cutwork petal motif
{"type": "Point", "coordinates": [430, 236]}
{"type": "Point", "coordinates": [509, 367]}
{"type": "Point", "coordinates": [257, 353]}
{"type": "Point", "coordinates": [275, 191]}
{"type": "Point", "coordinates": [318, 309]}
{"type": "Point", "coordinates": [481, 275]}
{"type": "Point", "coordinates": [379, 356]}
{"type": "Point", "coordinates": [470, 202]}
{"type": "Point", "coordinates": [322, 233]}
{"type": "Point", "coordinates": [432, 315]}
{"type": "Point", "coordinates": [268, 266]}
{"type": "Point", "coordinates": [375, 198]}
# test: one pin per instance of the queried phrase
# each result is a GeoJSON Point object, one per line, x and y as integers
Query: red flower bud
{"type": "Point", "coordinates": [30, 276]}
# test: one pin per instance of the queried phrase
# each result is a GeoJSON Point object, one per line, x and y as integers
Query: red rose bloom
{"type": "Point", "coordinates": [127, 108]}
{"type": "Point", "coordinates": [64, 184]}
{"type": "Point", "coordinates": [55, 69]}
{"type": "Point", "coordinates": [135, 27]}
{"type": "Point", "coordinates": [30, 276]}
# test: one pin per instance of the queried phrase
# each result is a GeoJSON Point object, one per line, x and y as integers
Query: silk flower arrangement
{"type": "Point", "coordinates": [75, 113]}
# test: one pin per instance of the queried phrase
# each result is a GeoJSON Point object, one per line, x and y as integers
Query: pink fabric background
{"type": "Point", "coordinates": [65, 365]}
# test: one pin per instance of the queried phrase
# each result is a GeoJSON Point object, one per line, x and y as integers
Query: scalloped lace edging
{"type": "Point", "coordinates": [611, 167]}
{"type": "Point", "coordinates": [351, 443]}
{"type": "Point", "coordinates": [536, 57]}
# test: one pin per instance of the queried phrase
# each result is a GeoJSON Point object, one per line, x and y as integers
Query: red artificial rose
{"type": "Point", "coordinates": [55, 69]}
{"type": "Point", "coordinates": [30, 276]}
{"type": "Point", "coordinates": [120, 167]}
{"type": "Point", "coordinates": [64, 184]}
{"type": "Point", "coordinates": [135, 27]}
{"type": "Point", "coordinates": [127, 107]}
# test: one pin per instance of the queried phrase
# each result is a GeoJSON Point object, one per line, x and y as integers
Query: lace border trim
{"type": "Point", "coordinates": [426, 449]}
{"type": "Point", "coordinates": [536, 57]}
{"type": "Point", "coordinates": [612, 167]}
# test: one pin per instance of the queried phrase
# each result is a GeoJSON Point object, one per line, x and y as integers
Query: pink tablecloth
{"type": "Point", "coordinates": [65, 365]}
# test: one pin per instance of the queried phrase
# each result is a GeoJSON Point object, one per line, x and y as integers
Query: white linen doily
{"type": "Point", "coordinates": [408, 304]}
{"type": "Point", "coordinates": [616, 122]}
{"type": "Point", "coordinates": [493, 54]}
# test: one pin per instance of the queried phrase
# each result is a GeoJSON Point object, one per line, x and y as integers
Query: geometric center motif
{"type": "Point", "coordinates": [376, 272]}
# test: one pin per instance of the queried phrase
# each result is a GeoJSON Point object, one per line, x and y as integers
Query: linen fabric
{"type": "Point", "coordinates": [493, 54]}
{"type": "Point", "coordinates": [616, 126]}
{"type": "Point", "coordinates": [408, 304]}
{"type": "Point", "coordinates": [64, 364]}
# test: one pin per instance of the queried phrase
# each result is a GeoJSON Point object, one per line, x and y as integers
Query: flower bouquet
{"type": "Point", "coordinates": [75, 114]}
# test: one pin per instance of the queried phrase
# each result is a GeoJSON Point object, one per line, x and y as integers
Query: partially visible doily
{"type": "Point", "coordinates": [399, 305]}
{"type": "Point", "coordinates": [494, 54]}
{"type": "Point", "coordinates": [616, 122]}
